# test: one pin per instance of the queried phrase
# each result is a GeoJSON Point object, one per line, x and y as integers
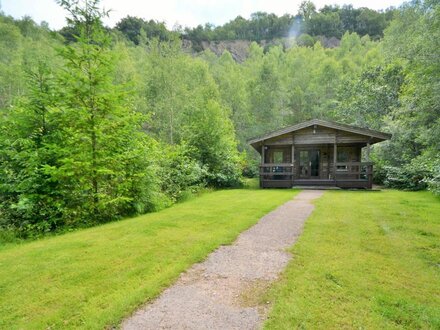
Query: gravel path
{"type": "Point", "coordinates": [223, 291]}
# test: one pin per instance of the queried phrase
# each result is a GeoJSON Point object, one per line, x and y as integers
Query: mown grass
{"type": "Point", "coordinates": [366, 260]}
{"type": "Point", "coordinates": [94, 277]}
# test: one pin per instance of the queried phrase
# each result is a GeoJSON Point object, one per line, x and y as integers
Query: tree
{"type": "Point", "coordinates": [210, 135]}
{"type": "Point", "coordinates": [370, 22]}
{"type": "Point", "coordinates": [306, 10]}
{"type": "Point", "coordinates": [412, 40]}
{"type": "Point", "coordinates": [328, 25]}
{"type": "Point", "coordinates": [30, 199]}
{"type": "Point", "coordinates": [132, 27]}
{"type": "Point", "coordinates": [11, 48]}
{"type": "Point", "coordinates": [370, 99]}
{"type": "Point", "coordinates": [105, 165]}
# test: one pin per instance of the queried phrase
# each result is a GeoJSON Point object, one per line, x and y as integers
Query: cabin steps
{"type": "Point", "coordinates": [318, 182]}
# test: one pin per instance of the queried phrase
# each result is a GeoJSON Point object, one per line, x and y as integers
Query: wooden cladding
{"type": "Point", "coordinates": [312, 135]}
{"type": "Point", "coordinates": [318, 127]}
{"type": "Point", "coordinates": [316, 136]}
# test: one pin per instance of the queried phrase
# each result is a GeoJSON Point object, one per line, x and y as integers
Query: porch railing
{"type": "Point", "coordinates": [278, 172]}
{"type": "Point", "coordinates": [354, 170]}
{"type": "Point", "coordinates": [344, 171]}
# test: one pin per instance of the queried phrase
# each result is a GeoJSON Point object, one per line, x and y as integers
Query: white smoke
{"type": "Point", "coordinates": [294, 32]}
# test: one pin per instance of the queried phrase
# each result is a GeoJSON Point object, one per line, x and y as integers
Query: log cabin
{"type": "Point", "coordinates": [317, 153]}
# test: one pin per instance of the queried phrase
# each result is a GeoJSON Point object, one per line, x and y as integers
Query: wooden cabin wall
{"type": "Point", "coordinates": [326, 158]}
{"type": "Point", "coordinates": [309, 135]}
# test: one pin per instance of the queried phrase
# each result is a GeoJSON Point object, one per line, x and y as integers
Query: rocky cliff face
{"type": "Point", "coordinates": [239, 49]}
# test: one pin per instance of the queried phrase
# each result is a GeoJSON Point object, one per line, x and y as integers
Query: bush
{"type": "Point", "coordinates": [422, 173]}
{"type": "Point", "coordinates": [407, 177]}
{"type": "Point", "coordinates": [228, 176]}
{"type": "Point", "coordinates": [305, 40]}
{"type": "Point", "coordinates": [211, 140]}
{"type": "Point", "coordinates": [379, 174]}
{"type": "Point", "coordinates": [434, 181]}
{"type": "Point", "coordinates": [179, 174]}
{"type": "Point", "coordinates": [250, 165]}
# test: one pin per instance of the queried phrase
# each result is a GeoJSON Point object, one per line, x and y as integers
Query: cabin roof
{"type": "Point", "coordinates": [338, 126]}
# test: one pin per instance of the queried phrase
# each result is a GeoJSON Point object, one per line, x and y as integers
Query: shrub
{"type": "Point", "coordinates": [421, 173]}
{"type": "Point", "coordinates": [434, 181]}
{"type": "Point", "coordinates": [179, 174]}
{"type": "Point", "coordinates": [305, 40]}
{"type": "Point", "coordinates": [211, 138]}
{"type": "Point", "coordinates": [407, 177]}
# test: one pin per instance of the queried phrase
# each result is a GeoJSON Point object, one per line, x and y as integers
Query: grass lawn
{"type": "Point", "coordinates": [366, 260]}
{"type": "Point", "coordinates": [92, 278]}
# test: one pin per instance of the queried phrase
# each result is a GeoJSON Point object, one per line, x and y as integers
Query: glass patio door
{"type": "Point", "coordinates": [309, 163]}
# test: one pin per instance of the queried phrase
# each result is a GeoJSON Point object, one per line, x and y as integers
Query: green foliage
{"type": "Point", "coordinates": [210, 134]}
{"type": "Point", "coordinates": [305, 40]}
{"type": "Point", "coordinates": [330, 21]}
{"type": "Point", "coordinates": [134, 27]}
{"type": "Point", "coordinates": [374, 95]}
{"type": "Point", "coordinates": [328, 24]}
{"type": "Point", "coordinates": [419, 174]}
{"type": "Point", "coordinates": [179, 173]}
{"type": "Point", "coordinates": [434, 181]}
{"type": "Point", "coordinates": [75, 150]}
{"type": "Point", "coordinates": [415, 118]}
{"type": "Point", "coordinates": [72, 152]}
{"type": "Point", "coordinates": [407, 177]}
{"type": "Point", "coordinates": [107, 162]}
{"type": "Point", "coordinates": [30, 198]}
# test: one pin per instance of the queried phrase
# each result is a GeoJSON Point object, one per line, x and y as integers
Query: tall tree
{"type": "Point", "coordinates": [30, 199]}
{"type": "Point", "coordinates": [105, 152]}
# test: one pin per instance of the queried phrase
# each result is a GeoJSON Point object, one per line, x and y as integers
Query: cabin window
{"type": "Point", "coordinates": [347, 154]}
{"type": "Point", "coordinates": [343, 155]}
{"type": "Point", "coordinates": [278, 156]}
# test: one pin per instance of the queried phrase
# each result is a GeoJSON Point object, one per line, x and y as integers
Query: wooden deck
{"type": "Point", "coordinates": [363, 184]}
{"type": "Point", "coordinates": [349, 175]}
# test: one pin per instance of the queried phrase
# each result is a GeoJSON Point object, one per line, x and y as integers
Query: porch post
{"type": "Point", "coordinates": [261, 169]}
{"type": "Point", "coordinates": [369, 167]}
{"type": "Point", "coordinates": [368, 151]}
{"type": "Point", "coordinates": [335, 156]}
{"type": "Point", "coordinates": [293, 163]}
{"type": "Point", "coordinates": [293, 154]}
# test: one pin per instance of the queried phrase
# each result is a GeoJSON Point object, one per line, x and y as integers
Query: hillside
{"type": "Point", "coordinates": [97, 127]}
{"type": "Point", "coordinates": [239, 49]}
{"type": "Point", "coordinates": [307, 26]}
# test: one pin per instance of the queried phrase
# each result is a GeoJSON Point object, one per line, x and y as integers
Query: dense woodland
{"type": "Point", "coordinates": [101, 123]}
{"type": "Point", "coordinates": [329, 21]}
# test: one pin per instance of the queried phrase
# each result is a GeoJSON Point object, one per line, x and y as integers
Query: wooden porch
{"type": "Point", "coordinates": [347, 175]}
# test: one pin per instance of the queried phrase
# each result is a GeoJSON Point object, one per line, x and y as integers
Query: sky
{"type": "Point", "coordinates": [184, 12]}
